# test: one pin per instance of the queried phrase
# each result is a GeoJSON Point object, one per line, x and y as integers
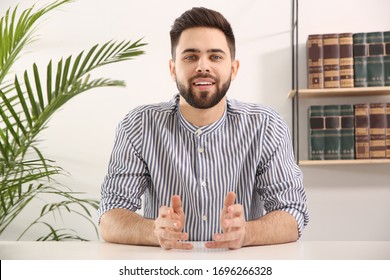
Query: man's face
{"type": "Point", "coordinates": [203, 68]}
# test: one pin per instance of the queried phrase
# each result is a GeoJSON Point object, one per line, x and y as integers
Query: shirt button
{"type": "Point", "coordinates": [198, 132]}
{"type": "Point", "coordinates": [204, 184]}
{"type": "Point", "coordinates": [204, 218]}
{"type": "Point", "coordinates": [200, 149]}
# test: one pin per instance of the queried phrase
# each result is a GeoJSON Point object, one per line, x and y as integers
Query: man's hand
{"type": "Point", "coordinates": [169, 226]}
{"type": "Point", "coordinates": [233, 225]}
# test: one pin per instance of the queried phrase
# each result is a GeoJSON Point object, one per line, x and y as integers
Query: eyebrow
{"type": "Point", "coordinates": [192, 50]}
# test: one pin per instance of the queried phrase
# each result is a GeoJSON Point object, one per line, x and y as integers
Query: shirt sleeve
{"type": "Point", "coordinates": [280, 181]}
{"type": "Point", "coordinates": [128, 175]}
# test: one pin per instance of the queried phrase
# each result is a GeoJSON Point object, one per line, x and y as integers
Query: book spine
{"type": "Point", "coordinates": [315, 61]}
{"type": "Point", "coordinates": [388, 130]}
{"type": "Point", "coordinates": [360, 59]}
{"type": "Point", "coordinates": [316, 132]}
{"type": "Point", "coordinates": [332, 132]}
{"type": "Point", "coordinates": [331, 60]}
{"type": "Point", "coordinates": [375, 66]}
{"type": "Point", "coordinates": [386, 58]}
{"type": "Point", "coordinates": [347, 141]}
{"type": "Point", "coordinates": [377, 131]}
{"type": "Point", "coordinates": [346, 60]}
{"type": "Point", "coordinates": [362, 141]}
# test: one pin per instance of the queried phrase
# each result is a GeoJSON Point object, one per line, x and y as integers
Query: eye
{"type": "Point", "coordinates": [190, 57]}
{"type": "Point", "coordinates": [216, 57]}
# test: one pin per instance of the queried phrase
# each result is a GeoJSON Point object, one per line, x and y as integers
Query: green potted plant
{"type": "Point", "coordinates": [27, 103]}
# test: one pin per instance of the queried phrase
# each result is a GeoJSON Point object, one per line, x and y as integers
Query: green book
{"type": "Point", "coordinates": [332, 132]}
{"type": "Point", "coordinates": [316, 132]}
{"type": "Point", "coordinates": [386, 58]}
{"type": "Point", "coordinates": [360, 59]}
{"type": "Point", "coordinates": [347, 132]}
{"type": "Point", "coordinates": [375, 64]}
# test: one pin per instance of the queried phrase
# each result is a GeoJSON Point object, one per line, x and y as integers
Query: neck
{"type": "Point", "coordinates": [202, 117]}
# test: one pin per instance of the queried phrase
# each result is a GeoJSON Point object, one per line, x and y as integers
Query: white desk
{"type": "Point", "coordinates": [301, 250]}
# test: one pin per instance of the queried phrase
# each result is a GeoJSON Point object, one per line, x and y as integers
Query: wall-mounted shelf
{"type": "Point", "coordinates": [334, 93]}
{"type": "Point", "coordinates": [340, 92]}
{"type": "Point", "coordinates": [343, 162]}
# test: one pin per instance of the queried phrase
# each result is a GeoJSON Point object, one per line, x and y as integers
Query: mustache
{"type": "Point", "coordinates": [204, 76]}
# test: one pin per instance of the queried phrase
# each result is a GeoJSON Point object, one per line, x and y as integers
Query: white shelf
{"type": "Point", "coordinates": [340, 92]}
{"type": "Point", "coordinates": [343, 162]}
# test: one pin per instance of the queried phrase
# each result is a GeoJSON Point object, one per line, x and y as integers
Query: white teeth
{"type": "Point", "coordinates": [203, 83]}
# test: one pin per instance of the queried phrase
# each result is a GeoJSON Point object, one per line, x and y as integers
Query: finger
{"type": "Point", "coordinates": [176, 204]}
{"type": "Point", "coordinates": [167, 223]}
{"type": "Point", "coordinates": [227, 244]}
{"type": "Point", "coordinates": [183, 246]}
{"type": "Point", "coordinates": [233, 222]}
{"type": "Point", "coordinates": [215, 244]}
{"type": "Point", "coordinates": [228, 236]}
{"type": "Point", "coordinates": [167, 245]}
{"type": "Point", "coordinates": [236, 210]}
{"type": "Point", "coordinates": [229, 199]}
{"type": "Point", "coordinates": [164, 234]}
{"type": "Point", "coordinates": [164, 211]}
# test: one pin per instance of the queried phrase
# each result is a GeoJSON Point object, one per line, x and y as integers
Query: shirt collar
{"type": "Point", "coordinates": [198, 131]}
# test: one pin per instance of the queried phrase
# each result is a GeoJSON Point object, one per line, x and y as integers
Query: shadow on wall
{"type": "Point", "coordinates": [275, 80]}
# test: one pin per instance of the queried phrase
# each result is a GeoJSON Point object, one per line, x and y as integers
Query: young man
{"type": "Point", "coordinates": [210, 168]}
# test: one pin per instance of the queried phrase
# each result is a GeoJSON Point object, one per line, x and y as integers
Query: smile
{"type": "Point", "coordinates": [203, 83]}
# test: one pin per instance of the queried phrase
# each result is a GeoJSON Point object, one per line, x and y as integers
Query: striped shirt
{"type": "Point", "coordinates": [157, 154]}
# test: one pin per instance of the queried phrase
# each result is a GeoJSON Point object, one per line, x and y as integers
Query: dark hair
{"type": "Point", "coordinates": [202, 17]}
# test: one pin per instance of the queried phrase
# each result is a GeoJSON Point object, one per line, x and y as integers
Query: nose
{"type": "Point", "coordinates": [203, 66]}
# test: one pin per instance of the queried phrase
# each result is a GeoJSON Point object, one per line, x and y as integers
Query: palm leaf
{"type": "Point", "coordinates": [38, 106]}
{"type": "Point", "coordinates": [16, 33]}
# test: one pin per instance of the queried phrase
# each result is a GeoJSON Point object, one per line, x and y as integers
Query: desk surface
{"type": "Point", "coordinates": [301, 250]}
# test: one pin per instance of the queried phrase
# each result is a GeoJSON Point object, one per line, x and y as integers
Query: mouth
{"type": "Point", "coordinates": [203, 84]}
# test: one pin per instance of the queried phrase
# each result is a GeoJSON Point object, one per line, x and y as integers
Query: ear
{"type": "Point", "coordinates": [172, 69]}
{"type": "Point", "coordinates": [235, 66]}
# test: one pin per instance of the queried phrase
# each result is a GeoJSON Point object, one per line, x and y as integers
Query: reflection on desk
{"type": "Point", "coordinates": [301, 250]}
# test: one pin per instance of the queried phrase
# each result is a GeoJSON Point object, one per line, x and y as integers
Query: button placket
{"type": "Point", "coordinates": [202, 179]}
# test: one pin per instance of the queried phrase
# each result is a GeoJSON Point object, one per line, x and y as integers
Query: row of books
{"type": "Point", "coordinates": [346, 60]}
{"type": "Point", "coordinates": [359, 131]}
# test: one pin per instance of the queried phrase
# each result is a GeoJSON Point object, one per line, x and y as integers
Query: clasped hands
{"type": "Point", "coordinates": [170, 223]}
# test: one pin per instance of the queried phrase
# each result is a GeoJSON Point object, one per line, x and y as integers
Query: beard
{"type": "Point", "coordinates": [204, 99]}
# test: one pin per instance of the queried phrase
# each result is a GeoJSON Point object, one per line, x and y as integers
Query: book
{"type": "Point", "coordinates": [388, 130]}
{"type": "Point", "coordinates": [331, 60]}
{"type": "Point", "coordinates": [360, 50]}
{"type": "Point", "coordinates": [332, 133]}
{"type": "Point", "coordinates": [346, 60]}
{"type": "Point", "coordinates": [347, 132]}
{"type": "Point", "coordinates": [386, 58]}
{"type": "Point", "coordinates": [315, 65]}
{"type": "Point", "coordinates": [375, 65]}
{"type": "Point", "coordinates": [377, 130]}
{"type": "Point", "coordinates": [362, 144]}
{"type": "Point", "coordinates": [316, 132]}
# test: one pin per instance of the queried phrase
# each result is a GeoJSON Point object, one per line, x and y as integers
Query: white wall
{"type": "Point", "coordinates": [350, 203]}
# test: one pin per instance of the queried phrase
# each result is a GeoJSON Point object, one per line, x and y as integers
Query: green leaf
{"type": "Point", "coordinates": [23, 102]}
{"type": "Point", "coordinates": [26, 175]}
{"type": "Point", "coordinates": [38, 87]}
